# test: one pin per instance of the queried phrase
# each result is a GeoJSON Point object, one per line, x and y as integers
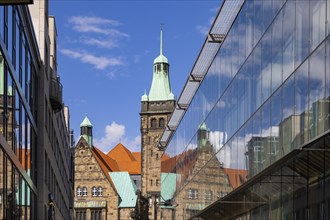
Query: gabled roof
{"type": "Point", "coordinates": [133, 167]}
{"type": "Point", "coordinates": [236, 177]}
{"type": "Point", "coordinates": [107, 164]}
{"type": "Point", "coordinates": [121, 153]}
{"type": "Point", "coordinates": [110, 163]}
{"type": "Point", "coordinates": [137, 156]}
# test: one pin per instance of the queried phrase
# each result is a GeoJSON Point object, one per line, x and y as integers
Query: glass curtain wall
{"type": "Point", "coordinates": [266, 93]}
{"type": "Point", "coordinates": [17, 117]}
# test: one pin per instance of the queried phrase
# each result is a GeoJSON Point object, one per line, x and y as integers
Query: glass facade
{"type": "Point", "coordinates": [18, 130]}
{"type": "Point", "coordinates": [266, 95]}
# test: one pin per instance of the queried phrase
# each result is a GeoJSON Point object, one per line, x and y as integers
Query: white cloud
{"type": "Point", "coordinates": [97, 25]}
{"type": "Point", "coordinates": [204, 30]}
{"type": "Point", "coordinates": [101, 43]}
{"type": "Point", "coordinates": [85, 24]}
{"type": "Point", "coordinates": [99, 62]}
{"type": "Point", "coordinates": [113, 134]}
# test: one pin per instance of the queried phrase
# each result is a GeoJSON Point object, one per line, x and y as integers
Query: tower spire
{"type": "Point", "coordinates": [161, 39]}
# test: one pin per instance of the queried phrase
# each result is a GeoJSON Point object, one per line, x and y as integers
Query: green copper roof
{"type": "Point", "coordinates": [125, 188]}
{"type": "Point", "coordinates": [25, 193]}
{"type": "Point", "coordinates": [161, 59]}
{"type": "Point", "coordinates": [168, 186]}
{"type": "Point", "coordinates": [86, 123]}
{"type": "Point", "coordinates": [202, 126]}
{"type": "Point", "coordinates": [160, 87]}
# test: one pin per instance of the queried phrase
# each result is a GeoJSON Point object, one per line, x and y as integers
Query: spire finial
{"type": "Point", "coordinates": [161, 39]}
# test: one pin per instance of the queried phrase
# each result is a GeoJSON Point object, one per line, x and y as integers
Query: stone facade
{"type": "Point", "coordinates": [154, 118]}
{"type": "Point", "coordinates": [89, 174]}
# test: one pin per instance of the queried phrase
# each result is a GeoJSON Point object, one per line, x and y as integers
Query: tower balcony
{"type": "Point", "coordinates": [55, 95]}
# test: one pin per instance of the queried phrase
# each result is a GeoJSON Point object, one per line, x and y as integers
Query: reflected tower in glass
{"type": "Point", "coordinates": [264, 94]}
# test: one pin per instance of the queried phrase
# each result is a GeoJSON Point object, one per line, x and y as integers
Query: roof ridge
{"type": "Point", "coordinates": [120, 147]}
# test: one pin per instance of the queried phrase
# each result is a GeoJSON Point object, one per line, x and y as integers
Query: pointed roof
{"type": "Point", "coordinates": [161, 58]}
{"type": "Point", "coordinates": [160, 87]}
{"type": "Point", "coordinates": [110, 163]}
{"type": "Point", "coordinates": [86, 123]}
{"type": "Point", "coordinates": [121, 153]}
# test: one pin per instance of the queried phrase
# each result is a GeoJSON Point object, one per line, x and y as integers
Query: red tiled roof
{"type": "Point", "coordinates": [121, 153]}
{"type": "Point", "coordinates": [133, 167]}
{"type": "Point", "coordinates": [111, 163]}
{"type": "Point", "coordinates": [236, 177]}
{"type": "Point", "coordinates": [119, 159]}
{"type": "Point", "coordinates": [103, 162]}
{"type": "Point", "coordinates": [137, 155]}
{"type": "Point", "coordinates": [26, 160]}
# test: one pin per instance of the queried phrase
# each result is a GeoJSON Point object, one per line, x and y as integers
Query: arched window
{"type": "Point", "coordinates": [78, 191]}
{"type": "Point", "coordinates": [153, 123]}
{"type": "Point", "coordinates": [94, 191]}
{"type": "Point", "coordinates": [84, 191]}
{"type": "Point", "coordinates": [161, 122]}
{"type": "Point", "coordinates": [99, 190]}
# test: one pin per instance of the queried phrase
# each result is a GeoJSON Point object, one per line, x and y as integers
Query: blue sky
{"type": "Point", "coordinates": [105, 56]}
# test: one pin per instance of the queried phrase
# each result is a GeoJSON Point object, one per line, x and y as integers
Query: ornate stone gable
{"type": "Point", "coordinates": [91, 174]}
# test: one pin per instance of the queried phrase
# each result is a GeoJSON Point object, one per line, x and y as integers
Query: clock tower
{"type": "Point", "coordinates": [156, 109]}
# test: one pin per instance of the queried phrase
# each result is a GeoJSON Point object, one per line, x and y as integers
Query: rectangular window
{"type": "Point", "coordinates": [81, 214]}
{"type": "Point", "coordinates": [96, 214]}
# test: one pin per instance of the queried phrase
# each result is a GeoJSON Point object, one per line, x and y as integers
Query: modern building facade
{"type": "Point", "coordinates": [35, 178]}
{"type": "Point", "coordinates": [261, 85]}
{"type": "Point", "coordinates": [156, 109]}
{"type": "Point", "coordinates": [105, 184]}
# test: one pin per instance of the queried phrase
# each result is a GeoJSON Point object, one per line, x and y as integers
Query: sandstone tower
{"type": "Point", "coordinates": [156, 108]}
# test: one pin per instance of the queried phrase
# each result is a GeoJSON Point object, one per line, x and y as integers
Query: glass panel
{"type": "Point", "coordinates": [317, 102]}
{"type": "Point", "coordinates": [302, 31]}
{"type": "Point", "coordinates": [249, 13]}
{"type": "Point", "coordinates": [287, 128]}
{"type": "Point", "coordinates": [276, 66]}
{"type": "Point", "coordinates": [242, 35]}
{"type": "Point", "coordinates": [259, 27]}
{"type": "Point", "coordinates": [2, 22]}
{"type": "Point", "coordinates": [327, 83]}
{"type": "Point", "coordinates": [266, 134]}
{"type": "Point", "coordinates": [3, 71]}
{"type": "Point", "coordinates": [275, 120]}
{"type": "Point", "coordinates": [265, 60]}
{"type": "Point", "coordinates": [288, 39]}
{"type": "Point", "coordinates": [317, 22]}
{"type": "Point", "coordinates": [328, 17]}
{"type": "Point", "coordinates": [301, 105]}
{"type": "Point", "coordinates": [10, 31]}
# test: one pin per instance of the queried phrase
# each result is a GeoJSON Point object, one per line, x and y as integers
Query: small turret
{"type": "Point", "coordinates": [86, 131]}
